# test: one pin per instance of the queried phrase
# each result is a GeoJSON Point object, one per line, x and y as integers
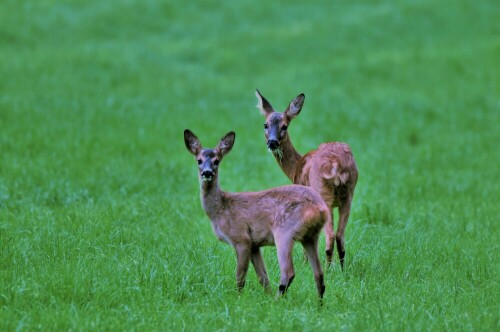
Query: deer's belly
{"type": "Point", "coordinates": [262, 239]}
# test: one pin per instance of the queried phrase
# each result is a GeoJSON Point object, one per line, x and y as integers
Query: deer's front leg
{"type": "Point", "coordinates": [260, 268]}
{"type": "Point", "coordinates": [243, 252]}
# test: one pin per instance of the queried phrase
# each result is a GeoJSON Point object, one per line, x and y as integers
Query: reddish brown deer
{"type": "Point", "coordinates": [250, 220]}
{"type": "Point", "coordinates": [330, 169]}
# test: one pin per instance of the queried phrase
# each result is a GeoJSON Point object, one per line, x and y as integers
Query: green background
{"type": "Point", "coordinates": [101, 227]}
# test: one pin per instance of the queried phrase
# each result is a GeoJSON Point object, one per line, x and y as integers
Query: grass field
{"type": "Point", "coordinates": [101, 226]}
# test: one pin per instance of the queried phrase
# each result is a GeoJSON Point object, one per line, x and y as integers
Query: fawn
{"type": "Point", "coordinates": [250, 220]}
{"type": "Point", "coordinates": [330, 169]}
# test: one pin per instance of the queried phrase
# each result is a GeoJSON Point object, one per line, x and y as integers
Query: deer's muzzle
{"type": "Point", "coordinates": [207, 175]}
{"type": "Point", "coordinates": [273, 144]}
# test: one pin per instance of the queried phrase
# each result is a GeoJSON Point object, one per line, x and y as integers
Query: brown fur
{"type": "Point", "coordinates": [330, 170]}
{"type": "Point", "coordinates": [250, 220]}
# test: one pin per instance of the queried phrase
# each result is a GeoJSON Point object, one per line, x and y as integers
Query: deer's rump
{"type": "Point", "coordinates": [331, 163]}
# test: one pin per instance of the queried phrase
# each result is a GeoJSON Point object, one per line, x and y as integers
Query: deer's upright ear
{"type": "Point", "coordinates": [295, 107]}
{"type": "Point", "coordinates": [263, 105]}
{"type": "Point", "coordinates": [192, 142]}
{"type": "Point", "coordinates": [226, 143]}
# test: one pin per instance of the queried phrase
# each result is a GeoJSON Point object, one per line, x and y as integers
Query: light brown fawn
{"type": "Point", "coordinates": [250, 220]}
{"type": "Point", "coordinates": [330, 169]}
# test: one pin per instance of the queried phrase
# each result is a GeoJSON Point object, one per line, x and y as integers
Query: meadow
{"type": "Point", "coordinates": [101, 226]}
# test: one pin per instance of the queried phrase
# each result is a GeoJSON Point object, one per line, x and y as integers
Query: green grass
{"type": "Point", "coordinates": [101, 226]}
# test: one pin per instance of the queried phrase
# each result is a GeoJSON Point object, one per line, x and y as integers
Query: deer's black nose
{"type": "Point", "coordinates": [272, 144]}
{"type": "Point", "coordinates": [207, 174]}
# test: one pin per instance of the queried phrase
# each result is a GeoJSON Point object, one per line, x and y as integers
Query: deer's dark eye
{"type": "Point", "coordinates": [199, 161]}
{"type": "Point", "coordinates": [284, 127]}
{"type": "Point", "coordinates": [265, 126]}
{"type": "Point", "coordinates": [216, 162]}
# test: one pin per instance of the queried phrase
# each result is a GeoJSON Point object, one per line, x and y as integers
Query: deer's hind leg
{"type": "Point", "coordinates": [328, 197]}
{"type": "Point", "coordinates": [311, 249]}
{"type": "Point", "coordinates": [284, 248]}
{"type": "Point", "coordinates": [329, 240]}
{"type": "Point", "coordinates": [344, 212]}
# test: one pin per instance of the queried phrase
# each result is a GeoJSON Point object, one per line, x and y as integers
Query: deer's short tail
{"type": "Point", "coordinates": [331, 172]}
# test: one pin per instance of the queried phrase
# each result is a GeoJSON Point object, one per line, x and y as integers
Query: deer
{"type": "Point", "coordinates": [250, 220]}
{"type": "Point", "coordinates": [330, 169]}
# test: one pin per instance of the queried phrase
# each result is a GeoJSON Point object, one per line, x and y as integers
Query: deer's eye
{"type": "Point", "coordinates": [284, 127]}
{"type": "Point", "coordinates": [216, 162]}
{"type": "Point", "coordinates": [265, 126]}
{"type": "Point", "coordinates": [199, 161]}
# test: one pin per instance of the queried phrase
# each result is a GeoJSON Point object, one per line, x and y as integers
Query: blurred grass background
{"type": "Point", "coordinates": [100, 221]}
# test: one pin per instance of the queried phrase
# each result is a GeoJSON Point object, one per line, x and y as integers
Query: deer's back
{"type": "Point", "coordinates": [265, 205]}
{"type": "Point", "coordinates": [256, 216]}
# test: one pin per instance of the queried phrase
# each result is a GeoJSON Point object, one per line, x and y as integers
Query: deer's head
{"type": "Point", "coordinates": [208, 159]}
{"type": "Point", "coordinates": [276, 125]}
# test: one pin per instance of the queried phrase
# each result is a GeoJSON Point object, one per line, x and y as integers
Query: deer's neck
{"type": "Point", "coordinates": [211, 197]}
{"type": "Point", "coordinates": [288, 158]}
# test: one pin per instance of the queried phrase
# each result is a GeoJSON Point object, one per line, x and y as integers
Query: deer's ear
{"type": "Point", "coordinates": [295, 107]}
{"type": "Point", "coordinates": [192, 142]}
{"type": "Point", "coordinates": [226, 143]}
{"type": "Point", "coordinates": [263, 105]}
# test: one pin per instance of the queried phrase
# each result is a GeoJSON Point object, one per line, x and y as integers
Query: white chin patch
{"type": "Point", "coordinates": [206, 178]}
